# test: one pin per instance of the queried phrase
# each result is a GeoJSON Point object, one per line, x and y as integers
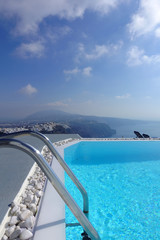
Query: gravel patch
{"type": "Point", "coordinates": [20, 219]}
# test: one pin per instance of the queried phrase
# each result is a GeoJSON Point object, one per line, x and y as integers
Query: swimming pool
{"type": "Point", "coordinates": [122, 179]}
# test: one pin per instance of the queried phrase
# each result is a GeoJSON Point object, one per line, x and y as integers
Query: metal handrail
{"type": "Point", "coordinates": [60, 160]}
{"type": "Point", "coordinates": [55, 181]}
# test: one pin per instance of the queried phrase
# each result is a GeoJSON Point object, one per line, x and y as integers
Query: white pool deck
{"type": "Point", "coordinates": [51, 220]}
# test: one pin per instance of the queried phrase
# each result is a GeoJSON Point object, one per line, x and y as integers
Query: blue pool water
{"type": "Point", "coordinates": [122, 179]}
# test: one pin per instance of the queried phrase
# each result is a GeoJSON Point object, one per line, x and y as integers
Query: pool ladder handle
{"type": "Point", "coordinates": [64, 165]}
{"type": "Point", "coordinates": [56, 183]}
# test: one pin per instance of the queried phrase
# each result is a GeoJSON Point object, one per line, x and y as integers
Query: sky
{"type": "Point", "coordinates": [91, 57]}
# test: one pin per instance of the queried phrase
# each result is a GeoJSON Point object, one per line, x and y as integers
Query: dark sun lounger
{"type": "Point", "coordinates": [138, 134]}
{"type": "Point", "coordinates": [145, 135]}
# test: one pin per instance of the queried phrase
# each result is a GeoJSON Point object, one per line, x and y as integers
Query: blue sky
{"type": "Point", "coordinates": [92, 57]}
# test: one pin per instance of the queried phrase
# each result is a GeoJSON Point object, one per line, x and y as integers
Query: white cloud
{"type": "Point", "coordinates": [54, 34]}
{"type": "Point", "coordinates": [31, 50]}
{"type": "Point", "coordinates": [30, 13]}
{"type": "Point", "coordinates": [146, 19]}
{"type": "Point", "coordinates": [28, 90]}
{"type": "Point", "coordinates": [98, 51]}
{"type": "Point", "coordinates": [157, 32]}
{"type": "Point", "coordinates": [36, 49]}
{"type": "Point", "coordinates": [125, 96]}
{"type": "Point", "coordinates": [87, 71]}
{"type": "Point", "coordinates": [137, 57]}
{"type": "Point", "coordinates": [57, 104]}
{"type": "Point", "coordinates": [72, 72]}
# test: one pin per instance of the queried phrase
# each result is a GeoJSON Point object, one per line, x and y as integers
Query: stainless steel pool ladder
{"type": "Point", "coordinates": [49, 144]}
{"type": "Point", "coordinates": [55, 181]}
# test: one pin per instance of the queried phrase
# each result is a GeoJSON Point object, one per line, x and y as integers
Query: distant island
{"type": "Point", "coordinates": [85, 128]}
{"type": "Point", "coordinates": [55, 121]}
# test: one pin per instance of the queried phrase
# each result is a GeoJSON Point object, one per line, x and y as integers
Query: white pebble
{"type": "Point", "coordinates": [4, 237]}
{"type": "Point", "coordinates": [22, 206]}
{"type": "Point", "coordinates": [14, 220]}
{"type": "Point", "coordinates": [14, 210]}
{"type": "Point", "coordinates": [25, 214]}
{"type": "Point", "coordinates": [38, 186]}
{"type": "Point", "coordinates": [29, 223]}
{"type": "Point", "coordinates": [35, 200]}
{"type": "Point", "coordinates": [15, 234]}
{"type": "Point", "coordinates": [24, 195]}
{"type": "Point", "coordinates": [25, 234]}
{"type": "Point", "coordinates": [33, 207]}
{"type": "Point", "coordinates": [33, 182]}
{"type": "Point", "coordinates": [39, 194]}
{"type": "Point", "coordinates": [9, 231]}
{"type": "Point", "coordinates": [13, 204]}
{"type": "Point", "coordinates": [28, 198]}
{"type": "Point", "coordinates": [34, 190]}
{"type": "Point", "coordinates": [22, 224]}
{"type": "Point", "coordinates": [29, 187]}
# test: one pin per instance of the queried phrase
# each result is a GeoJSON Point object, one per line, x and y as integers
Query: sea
{"type": "Point", "coordinates": [127, 131]}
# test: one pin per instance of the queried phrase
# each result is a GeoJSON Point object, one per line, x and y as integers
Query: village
{"type": "Point", "coordinates": [47, 127]}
